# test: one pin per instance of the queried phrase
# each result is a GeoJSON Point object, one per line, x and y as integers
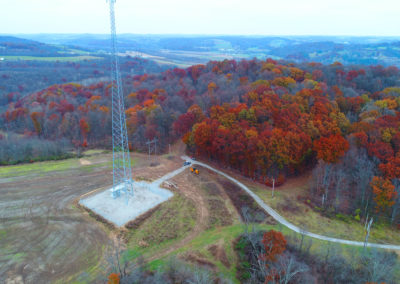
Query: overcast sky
{"type": "Point", "coordinates": [245, 17]}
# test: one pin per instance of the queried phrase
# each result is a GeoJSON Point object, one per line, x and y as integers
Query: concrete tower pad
{"type": "Point", "coordinates": [121, 210]}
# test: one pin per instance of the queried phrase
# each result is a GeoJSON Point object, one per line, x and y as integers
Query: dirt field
{"type": "Point", "coordinates": [44, 236]}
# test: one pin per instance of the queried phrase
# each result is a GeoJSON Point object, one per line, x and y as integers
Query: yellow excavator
{"type": "Point", "coordinates": [194, 170]}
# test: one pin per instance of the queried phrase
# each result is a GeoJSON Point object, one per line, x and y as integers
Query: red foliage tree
{"type": "Point", "coordinates": [332, 148]}
{"type": "Point", "coordinates": [203, 137]}
{"type": "Point", "coordinates": [351, 75]}
{"type": "Point", "coordinates": [195, 71]}
{"type": "Point", "coordinates": [361, 139]}
{"type": "Point", "coordinates": [391, 169]}
{"type": "Point", "coordinates": [184, 123]}
{"type": "Point", "coordinates": [383, 151]}
{"type": "Point", "coordinates": [274, 243]}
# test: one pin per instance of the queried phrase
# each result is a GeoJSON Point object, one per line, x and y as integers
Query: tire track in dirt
{"type": "Point", "coordinates": [45, 238]}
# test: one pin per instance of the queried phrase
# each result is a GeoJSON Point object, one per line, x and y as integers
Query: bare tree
{"type": "Point", "coordinates": [378, 266]}
{"type": "Point", "coordinates": [302, 235]}
{"type": "Point", "coordinates": [288, 268]}
{"type": "Point", "coordinates": [395, 207]}
{"type": "Point", "coordinates": [201, 276]}
{"type": "Point", "coordinates": [116, 258]}
{"type": "Point", "coordinates": [258, 268]}
{"type": "Point", "coordinates": [339, 186]}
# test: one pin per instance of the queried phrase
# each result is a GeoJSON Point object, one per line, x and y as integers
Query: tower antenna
{"type": "Point", "coordinates": [122, 174]}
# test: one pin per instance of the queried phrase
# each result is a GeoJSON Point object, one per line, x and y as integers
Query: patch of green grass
{"type": "Point", "coordinates": [91, 274]}
{"type": "Point", "coordinates": [91, 168]}
{"type": "Point", "coordinates": [8, 254]}
{"type": "Point", "coordinates": [3, 234]}
{"type": "Point", "coordinates": [96, 152]}
{"type": "Point", "coordinates": [134, 161]}
{"type": "Point", "coordinates": [39, 167]}
{"type": "Point", "coordinates": [212, 236]}
{"type": "Point", "coordinates": [58, 58]}
{"type": "Point", "coordinates": [76, 51]}
{"type": "Point", "coordinates": [42, 168]}
{"type": "Point", "coordinates": [157, 264]}
{"type": "Point", "coordinates": [18, 257]}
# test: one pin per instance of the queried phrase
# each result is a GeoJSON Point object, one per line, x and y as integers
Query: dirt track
{"type": "Point", "coordinates": [187, 187]}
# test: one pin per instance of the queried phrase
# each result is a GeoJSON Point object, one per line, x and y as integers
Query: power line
{"type": "Point", "coordinates": [152, 145]}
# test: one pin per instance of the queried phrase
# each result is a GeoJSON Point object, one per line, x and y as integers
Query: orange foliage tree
{"type": "Point", "coordinates": [35, 116]}
{"type": "Point", "coordinates": [84, 130]}
{"type": "Point", "coordinates": [384, 193]}
{"type": "Point", "coordinates": [113, 278]}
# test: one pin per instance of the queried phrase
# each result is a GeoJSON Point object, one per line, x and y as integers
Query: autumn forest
{"type": "Point", "coordinates": [268, 120]}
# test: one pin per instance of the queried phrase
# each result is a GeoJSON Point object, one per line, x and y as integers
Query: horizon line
{"type": "Point", "coordinates": [205, 34]}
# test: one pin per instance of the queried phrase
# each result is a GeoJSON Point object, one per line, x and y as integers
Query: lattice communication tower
{"type": "Point", "coordinates": [122, 174]}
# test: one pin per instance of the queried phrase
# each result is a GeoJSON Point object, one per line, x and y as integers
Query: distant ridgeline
{"type": "Point", "coordinates": [18, 46]}
{"type": "Point", "coordinates": [200, 49]}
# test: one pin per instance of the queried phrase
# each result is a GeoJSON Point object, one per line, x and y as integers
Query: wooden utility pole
{"type": "Point", "coordinates": [152, 146]}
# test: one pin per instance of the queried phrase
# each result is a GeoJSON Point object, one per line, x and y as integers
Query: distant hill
{"type": "Point", "coordinates": [187, 50]}
{"type": "Point", "coordinates": [18, 46]}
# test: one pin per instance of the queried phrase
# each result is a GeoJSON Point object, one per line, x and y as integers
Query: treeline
{"type": "Point", "coordinates": [14, 150]}
{"type": "Point", "coordinates": [267, 119]}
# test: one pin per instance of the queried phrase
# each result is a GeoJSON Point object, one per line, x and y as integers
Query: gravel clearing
{"type": "Point", "coordinates": [121, 210]}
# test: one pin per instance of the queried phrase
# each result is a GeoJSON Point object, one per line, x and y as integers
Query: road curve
{"type": "Point", "coordinates": [282, 220]}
